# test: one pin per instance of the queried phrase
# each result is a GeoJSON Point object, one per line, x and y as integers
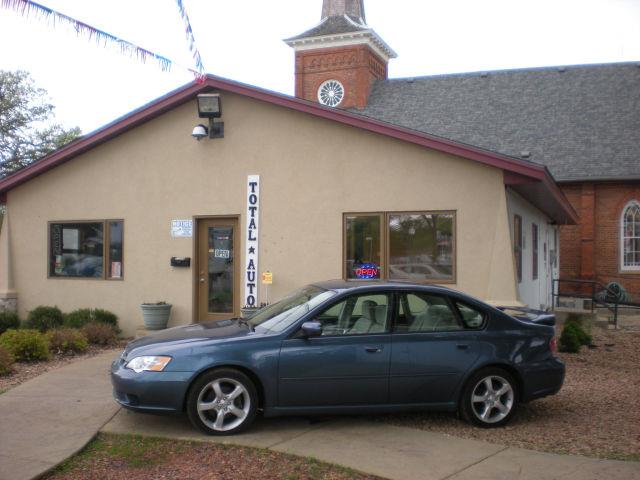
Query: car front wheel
{"type": "Point", "coordinates": [489, 398]}
{"type": "Point", "coordinates": [222, 402]}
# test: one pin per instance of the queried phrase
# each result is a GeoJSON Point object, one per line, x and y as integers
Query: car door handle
{"type": "Point", "coordinates": [373, 349]}
{"type": "Point", "coordinates": [462, 346]}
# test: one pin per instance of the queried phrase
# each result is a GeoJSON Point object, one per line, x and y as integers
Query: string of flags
{"type": "Point", "coordinates": [28, 8]}
{"type": "Point", "coordinates": [190, 38]}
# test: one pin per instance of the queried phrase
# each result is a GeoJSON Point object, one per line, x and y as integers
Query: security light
{"type": "Point", "coordinates": [209, 106]}
{"type": "Point", "coordinates": [199, 132]}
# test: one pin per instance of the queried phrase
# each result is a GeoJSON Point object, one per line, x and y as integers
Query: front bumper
{"type": "Point", "coordinates": [543, 379]}
{"type": "Point", "coordinates": [149, 391]}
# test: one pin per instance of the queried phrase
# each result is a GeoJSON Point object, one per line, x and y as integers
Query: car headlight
{"type": "Point", "coordinates": [148, 364]}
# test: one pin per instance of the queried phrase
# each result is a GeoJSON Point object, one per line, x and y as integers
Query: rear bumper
{"type": "Point", "coordinates": [543, 379]}
{"type": "Point", "coordinates": [152, 392]}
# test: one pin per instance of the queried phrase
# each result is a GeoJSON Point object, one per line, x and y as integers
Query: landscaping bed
{"type": "Point", "coordinates": [115, 457]}
{"type": "Point", "coordinates": [24, 371]}
{"type": "Point", "coordinates": [597, 412]}
{"type": "Point", "coordinates": [49, 339]}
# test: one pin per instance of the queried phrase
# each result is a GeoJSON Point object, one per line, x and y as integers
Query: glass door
{"type": "Point", "coordinates": [218, 269]}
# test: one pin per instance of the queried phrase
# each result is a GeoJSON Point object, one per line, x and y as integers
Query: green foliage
{"type": "Point", "coordinates": [100, 333]}
{"type": "Point", "coordinates": [26, 130]}
{"type": "Point", "coordinates": [26, 344]}
{"type": "Point", "coordinates": [67, 340]}
{"type": "Point", "coordinates": [78, 318]}
{"type": "Point", "coordinates": [577, 324]}
{"type": "Point", "coordinates": [570, 338]}
{"type": "Point", "coordinates": [6, 361]}
{"type": "Point", "coordinates": [81, 317]}
{"type": "Point", "coordinates": [8, 320]}
{"type": "Point", "coordinates": [105, 316]}
{"type": "Point", "coordinates": [44, 318]}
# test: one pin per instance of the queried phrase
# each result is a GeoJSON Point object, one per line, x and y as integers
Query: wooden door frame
{"type": "Point", "coordinates": [195, 263]}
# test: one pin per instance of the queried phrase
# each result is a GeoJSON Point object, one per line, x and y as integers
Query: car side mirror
{"type": "Point", "coordinates": [311, 329]}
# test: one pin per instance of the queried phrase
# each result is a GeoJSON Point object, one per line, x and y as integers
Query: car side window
{"type": "Point", "coordinates": [427, 313]}
{"type": "Point", "coordinates": [471, 318]}
{"type": "Point", "coordinates": [356, 315]}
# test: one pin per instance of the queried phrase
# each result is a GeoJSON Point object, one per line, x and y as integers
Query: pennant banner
{"type": "Point", "coordinates": [29, 8]}
{"type": "Point", "coordinates": [190, 38]}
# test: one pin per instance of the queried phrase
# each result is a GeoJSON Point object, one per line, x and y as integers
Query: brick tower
{"type": "Point", "coordinates": [338, 60]}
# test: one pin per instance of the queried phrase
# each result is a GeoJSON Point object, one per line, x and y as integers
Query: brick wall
{"type": "Point", "coordinates": [356, 67]}
{"type": "Point", "coordinates": [591, 250]}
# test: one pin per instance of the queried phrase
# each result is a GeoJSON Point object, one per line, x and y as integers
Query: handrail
{"type": "Point", "coordinates": [599, 294]}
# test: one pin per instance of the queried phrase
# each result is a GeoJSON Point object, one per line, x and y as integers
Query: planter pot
{"type": "Point", "coordinates": [247, 313]}
{"type": "Point", "coordinates": [156, 317]}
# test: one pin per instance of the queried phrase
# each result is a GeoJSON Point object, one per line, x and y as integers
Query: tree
{"type": "Point", "coordinates": [26, 131]}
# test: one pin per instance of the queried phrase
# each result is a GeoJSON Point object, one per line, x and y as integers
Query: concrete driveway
{"type": "Point", "coordinates": [48, 419]}
{"type": "Point", "coordinates": [392, 452]}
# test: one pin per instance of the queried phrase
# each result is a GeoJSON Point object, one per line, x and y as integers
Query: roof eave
{"type": "Point", "coordinates": [322, 40]}
{"type": "Point", "coordinates": [184, 94]}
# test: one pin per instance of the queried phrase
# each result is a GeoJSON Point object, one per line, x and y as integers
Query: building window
{"type": "Point", "coordinates": [630, 237]}
{"type": "Point", "coordinates": [534, 250]}
{"type": "Point", "coordinates": [86, 249]}
{"type": "Point", "coordinates": [417, 247]}
{"type": "Point", "coordinates": [517, 245]}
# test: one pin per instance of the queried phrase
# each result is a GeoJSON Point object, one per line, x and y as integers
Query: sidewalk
{"type": "Point", "coordinates": [391, 452]}
{"type": "Point", "coordinates": [48, 419]}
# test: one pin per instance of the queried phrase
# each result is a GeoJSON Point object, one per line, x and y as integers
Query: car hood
{"type": "Point", "coordinates": [214, 330]}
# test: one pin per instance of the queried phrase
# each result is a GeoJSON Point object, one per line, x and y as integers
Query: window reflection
{"type": "Point", "coordinates": [77, 249]}
{"type": "Point", "coordinates": [363, 247]}
{"type": "Point", "coordinates": [421, 247]}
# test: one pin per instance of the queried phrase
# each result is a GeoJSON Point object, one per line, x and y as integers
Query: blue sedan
{"type": "Point", "coordinates": [345, 347]}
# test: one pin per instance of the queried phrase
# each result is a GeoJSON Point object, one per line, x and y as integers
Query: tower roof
{"type": "Point", "coordinates": [338, 8]}
{"type": "Point", "coordinates": [343, 23]}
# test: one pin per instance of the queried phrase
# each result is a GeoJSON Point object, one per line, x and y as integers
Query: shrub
{"type": "Point", "coordinates": [67, 340]}
{"type": "Point", "coordinates": [8, 320]}
{"type": "Point", "coordinates": [26, 344]}
{"type": "Point", "coordinates": [81, 317]}
{"type": "Point", "coordinates": [100, 333]}
{"type": "Point", "coordinates": [105, 316]}
{"type": "Point", "coordinates": [570, 338]}
{"type": "Point", "coordinates": [583, 336]}
{"type": "Point", "coordinates": [6, 361]}
{"type": "Point", "coordinates": [44, 318]}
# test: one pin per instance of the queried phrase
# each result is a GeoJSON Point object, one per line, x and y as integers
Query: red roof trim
{"type": "Point", "coordinates": [184, 94]}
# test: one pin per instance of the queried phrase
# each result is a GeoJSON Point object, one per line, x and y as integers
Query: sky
{"type": "Point", "coordinates": [242, 40]}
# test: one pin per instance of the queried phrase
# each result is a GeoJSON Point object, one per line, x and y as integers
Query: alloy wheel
{"type": "Point", "coordinates": [223, 404]}
{"type": "Point", "coordinates": [492, 399]}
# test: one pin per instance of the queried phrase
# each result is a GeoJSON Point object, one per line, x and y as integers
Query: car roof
{"type": "Point", "coordinates": [340, 285]}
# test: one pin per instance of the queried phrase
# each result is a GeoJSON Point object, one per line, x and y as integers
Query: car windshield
{"type": "Point", "coordinates": [281, 315]}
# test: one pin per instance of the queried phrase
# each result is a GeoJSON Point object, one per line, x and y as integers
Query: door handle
{"type": "Point", "coordinates": [462, 346]}
{"type": "Point", "coordinates": [373, 349]}
{"type": "Point", "coordinates": [202, 280]}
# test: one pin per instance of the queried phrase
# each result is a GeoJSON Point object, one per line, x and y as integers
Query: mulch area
{"type": "Point", "coordinates": [597, 412]}
{"type": "Point", "coordinates": [23, 371]}
{"type": "Point", "coordinates": [124, 457]}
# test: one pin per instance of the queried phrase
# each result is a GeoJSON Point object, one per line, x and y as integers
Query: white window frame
{"type": "Point", "coordinates": [623, 267]}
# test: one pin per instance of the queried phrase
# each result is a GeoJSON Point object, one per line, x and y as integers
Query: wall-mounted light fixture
{"type": "Point", "coordinates": [209, 106]}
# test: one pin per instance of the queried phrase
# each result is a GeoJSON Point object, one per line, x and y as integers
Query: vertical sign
{"type": "Point", "coordinates": [252, 233]}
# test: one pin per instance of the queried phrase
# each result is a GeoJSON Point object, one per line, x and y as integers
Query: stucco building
{"type": "Point", "coordinates": [335, 182]}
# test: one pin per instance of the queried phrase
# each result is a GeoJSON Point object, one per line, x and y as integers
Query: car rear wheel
{"type": "Point", "coordinates": [489, 398]}
{"type": "Point", "coordinates": [222, 402]}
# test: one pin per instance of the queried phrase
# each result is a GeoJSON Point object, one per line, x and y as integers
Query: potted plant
{"type": "Point", "coordinates": [156, 315]}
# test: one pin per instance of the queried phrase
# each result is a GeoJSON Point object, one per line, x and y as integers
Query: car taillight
{"type": "Point", "coordinates": [553, 345]}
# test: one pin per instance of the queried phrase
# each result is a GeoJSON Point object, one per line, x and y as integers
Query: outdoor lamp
{"type": "Point", "coordinates": [199, 132]}
{"type": "Point", "coordinates": [209, 106]}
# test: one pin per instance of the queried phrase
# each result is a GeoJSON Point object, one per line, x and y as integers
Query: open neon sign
{"type": "Point", "coordinates": [367, 271]}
